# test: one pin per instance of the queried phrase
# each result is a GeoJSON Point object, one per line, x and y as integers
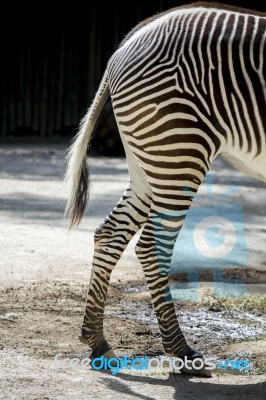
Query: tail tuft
{"type": "Point", "coordinates": [77, 203]}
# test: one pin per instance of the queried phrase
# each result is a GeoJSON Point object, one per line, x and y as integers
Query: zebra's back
{"type": "Point", "coordinates": [194, 74]}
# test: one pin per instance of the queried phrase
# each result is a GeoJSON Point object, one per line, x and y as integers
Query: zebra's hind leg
{"type": "Point", "coordinates": [154, 250]}
{"type": "Point", "coordinates": [110, 239]}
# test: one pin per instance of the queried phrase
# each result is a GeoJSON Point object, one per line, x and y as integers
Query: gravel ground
{"type": "Point", "coordinates": [45, 271]}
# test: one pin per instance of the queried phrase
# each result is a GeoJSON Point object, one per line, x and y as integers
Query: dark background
{"type": "Point", "coordinates": [52, 60]}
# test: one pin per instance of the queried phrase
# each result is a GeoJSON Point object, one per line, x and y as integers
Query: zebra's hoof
{"type": "Point", "coordinates": [105, 361]}
{"type": "Point", "coordinates": [194, 364]}
{"type": "Point", "coordinates": [101, 354]}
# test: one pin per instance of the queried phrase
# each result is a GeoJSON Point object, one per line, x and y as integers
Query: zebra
{"type": "Point", "coordinates": [186, 85]}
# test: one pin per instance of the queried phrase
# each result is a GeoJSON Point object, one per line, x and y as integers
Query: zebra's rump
{"type": "Point", "coordinates": [193, 75]}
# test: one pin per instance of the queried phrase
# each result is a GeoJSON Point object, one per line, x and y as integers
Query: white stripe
{"type": "Point", "coordinates": [251, 91]}
{"type": "Point", "coordinates": [211, 67]}
{"type": "Point", "coordinates": [222, 86]}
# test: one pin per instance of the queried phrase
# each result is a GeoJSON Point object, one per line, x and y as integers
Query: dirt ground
{"type": "Point", "coordinates": [44, 275]}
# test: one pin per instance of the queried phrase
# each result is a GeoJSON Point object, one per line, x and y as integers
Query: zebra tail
{"type": "Point", "coordinates": [77, 173]}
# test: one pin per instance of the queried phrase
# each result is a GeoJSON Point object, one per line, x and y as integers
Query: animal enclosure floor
{"type": "Point", "coordinates": [45, 272]}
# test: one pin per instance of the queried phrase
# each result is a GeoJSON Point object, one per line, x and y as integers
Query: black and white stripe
{"type": "Point", "coordinates": [186, 86]}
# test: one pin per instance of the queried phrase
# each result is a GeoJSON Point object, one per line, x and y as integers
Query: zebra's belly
{"type": "Point", "coordinates": [255, 168]}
